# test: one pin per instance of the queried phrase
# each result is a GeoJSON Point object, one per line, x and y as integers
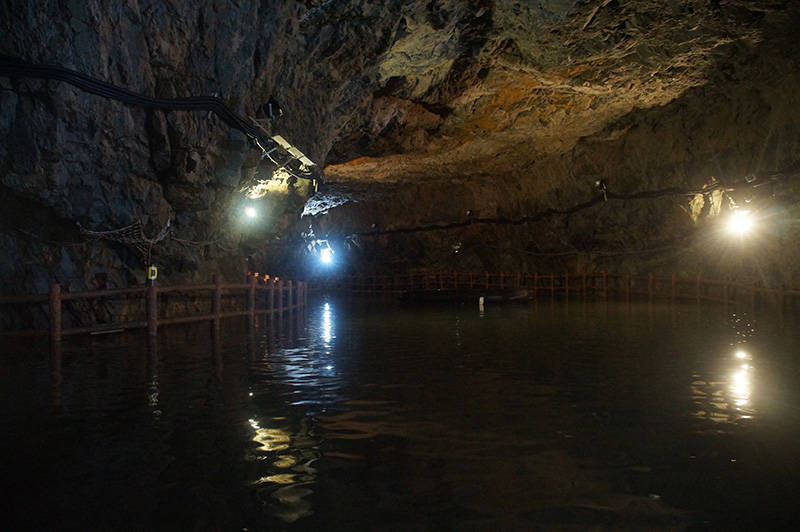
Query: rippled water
{"type": "Point", "coordinates": [376, 417]}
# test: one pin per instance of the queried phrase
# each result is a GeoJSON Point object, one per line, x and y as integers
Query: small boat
{"type": "Point", "coordinates": [440, 297]}
{"type": "Point", "coordinates": [509, 295]}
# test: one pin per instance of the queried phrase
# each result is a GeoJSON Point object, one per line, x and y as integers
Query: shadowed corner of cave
{"type": "Point", "coordinates": [399, 137]}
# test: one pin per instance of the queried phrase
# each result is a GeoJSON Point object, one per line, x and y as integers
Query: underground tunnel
{"type": "Point", "coordinates": [599, 196]}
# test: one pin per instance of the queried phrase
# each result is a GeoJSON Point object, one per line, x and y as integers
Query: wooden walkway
{"type": "Point", "coordinates": [151, 307]}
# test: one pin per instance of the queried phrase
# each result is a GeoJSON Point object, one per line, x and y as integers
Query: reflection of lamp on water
{"type": "Point", "coordinates": [740, 382]}
{"type": "Point", "coordinates": [270, 439]}
{"type": "Point", "coordinates": [740, 387]}
{"type": "Point", "coordinates": [327, 326]}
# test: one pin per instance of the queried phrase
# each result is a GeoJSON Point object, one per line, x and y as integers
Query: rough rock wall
{"type": "Point", "coordinates": [69, 158]}
{"type": "Point", "coordinates": [433, 108]}
{"type": "Point", "coordinates": [721, 132]}
{"type": "Point", "coordinates": [655, 97]}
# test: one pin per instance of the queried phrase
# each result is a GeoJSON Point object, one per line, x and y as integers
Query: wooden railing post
{"type": "Point", "coordinates": [55, 313]}
{"type": "Point", "coordinates": [280, 297]}
{"type": "Point", "coordinates": [271, 296]}
{"type": "Point", "coordinates": [216, 301]}
{"type": "Point", "coordinates": [650, 287]}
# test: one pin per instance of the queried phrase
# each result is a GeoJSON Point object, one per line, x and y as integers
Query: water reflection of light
{"type": "Point", "coordinates": [285, 474]}
{"type": "Point", "coordinates": [728, 399]}
{"type": "Point", "coordinates": [740, 385]}
{"type": "Point", "coordinates": [282, 478]}
{"type": "Point", "coordinates": [153, 398]}
{"type": "Point", "coordinates": [153, 392]}
{"type": "Point", "coordinates": [327, 324]}
{"type": "Point", "coordinates": [286, 468]}
{"type": "Point", "coordinates": [271, 440]}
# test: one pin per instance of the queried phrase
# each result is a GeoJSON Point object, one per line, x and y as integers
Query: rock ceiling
{"type": "Point", "coordinates": [470, 87]}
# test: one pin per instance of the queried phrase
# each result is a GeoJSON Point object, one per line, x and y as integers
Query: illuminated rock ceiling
{"type": "Point", "coordinates": [462, 90]}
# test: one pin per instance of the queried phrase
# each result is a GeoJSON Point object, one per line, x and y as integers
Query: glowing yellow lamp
{"type": "Point", "coordinates": [740, 222]}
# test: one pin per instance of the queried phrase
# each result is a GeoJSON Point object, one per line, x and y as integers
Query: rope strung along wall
{"type": "Point", "coordinates": [132, 235]}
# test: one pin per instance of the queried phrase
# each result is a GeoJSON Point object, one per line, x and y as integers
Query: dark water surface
{"type": "Point", "coordinates": [374, 417]}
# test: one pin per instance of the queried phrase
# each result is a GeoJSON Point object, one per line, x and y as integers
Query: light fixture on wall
{"type": "Point", "coordinates": [740, 222]}
{"type": "Point", "coordinates": [251, 212]}
{"type": "Point", "coordinates": [322, 250]}
{"type": "Point", "coordinates": [326, 255]}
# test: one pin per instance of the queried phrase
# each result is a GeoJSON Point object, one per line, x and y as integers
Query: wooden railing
{"type": "Point", "coordinates": [155, 306]}
{"type": "Point", "coordinates": [597, 285]}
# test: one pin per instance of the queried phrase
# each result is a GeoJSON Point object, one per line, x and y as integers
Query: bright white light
{"type": "Point", "coordinates": [740, 388]}
{"type": "Point", "coordinates": [740, 222]}
{"type": "Point", "coordinates": [326, 255]}
{"type": "Point", "coordinates": [327, 324]}
{"type": "Point", "coordinates": [741, 354]}
{"type": "Point", "coordinates": [251, 212]}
